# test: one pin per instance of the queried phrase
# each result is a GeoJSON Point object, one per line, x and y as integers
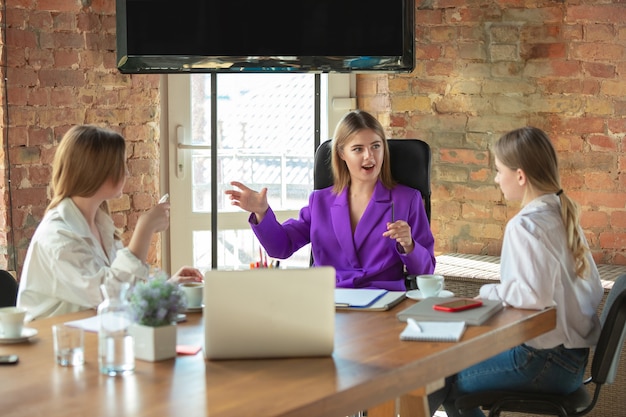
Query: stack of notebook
{"type": "Point", "coordinates": [423, 311]}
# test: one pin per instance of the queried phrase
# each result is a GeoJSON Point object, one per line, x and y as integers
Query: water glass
{"type": "Point", "coordinates": [69, 345]}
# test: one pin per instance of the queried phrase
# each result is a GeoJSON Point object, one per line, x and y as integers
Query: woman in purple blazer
{"type": "Point", "coordinates": [366, 226]}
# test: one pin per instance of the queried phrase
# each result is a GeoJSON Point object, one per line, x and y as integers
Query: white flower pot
{"type": "Point", "coordinates": [154, 343]}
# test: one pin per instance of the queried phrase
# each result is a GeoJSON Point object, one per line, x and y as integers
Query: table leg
{"type": "Point", "coordinates": [413, 404]}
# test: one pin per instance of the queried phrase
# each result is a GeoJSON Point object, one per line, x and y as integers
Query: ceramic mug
{"type": "Point", "coordinates": [11, 322]}
{"type": "Point", "coordinates": [430, 285]}
{"type": "Point", "coordinates": [194, 291]}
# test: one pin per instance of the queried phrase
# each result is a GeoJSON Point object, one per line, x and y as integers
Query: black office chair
{"type": "Point", "coordinates": [410, 165]}
{"type": "Point", "coordinates": [579, 403]}
{"type": "Point", "coordinates": [8, 289]}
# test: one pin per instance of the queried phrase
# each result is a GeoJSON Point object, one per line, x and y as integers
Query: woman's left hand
{"type": "Point", "coordinates": [187, 274]}
{"type": "Point", "coordinates": [400, 231]}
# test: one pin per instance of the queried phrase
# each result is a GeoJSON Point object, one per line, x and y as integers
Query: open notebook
{"type": "Point", "coordinates": [269, 313]}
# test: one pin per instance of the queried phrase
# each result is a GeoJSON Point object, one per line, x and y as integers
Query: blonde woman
{"type": "Point", "coordinates": [76, 247]}
{"type": "Point", "coordinates": [545, 262]}
{"type": "Point", "coordinates": [366, 226]}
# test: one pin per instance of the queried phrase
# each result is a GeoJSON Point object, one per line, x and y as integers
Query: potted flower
{"type": "Point", "coordinates": [155, 305]}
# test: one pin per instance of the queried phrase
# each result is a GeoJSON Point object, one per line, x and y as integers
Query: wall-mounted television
{"type": "Point", "coordinates": [172, 36]}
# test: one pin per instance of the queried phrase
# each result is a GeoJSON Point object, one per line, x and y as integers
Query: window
{"type": "Point", "coordinates": [259, 129]}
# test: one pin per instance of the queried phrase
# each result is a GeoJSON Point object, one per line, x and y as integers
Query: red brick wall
{"type": "Point", "coordinates": [483, 67]}
{"type": "Point", "coordinates": [59, 63]}
{"type": "Point", "coordinates": [486, 67]}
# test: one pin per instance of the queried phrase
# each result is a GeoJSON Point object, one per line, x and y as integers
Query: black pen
{"type": "Point", "coordinates": [393, 216]}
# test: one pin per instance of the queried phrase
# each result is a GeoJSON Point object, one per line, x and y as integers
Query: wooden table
{"type": "Point", "coordinates": [369, 369]}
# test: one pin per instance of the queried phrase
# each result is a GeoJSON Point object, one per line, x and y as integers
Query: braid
{"type": "Point", "coordinates": [570, 216]}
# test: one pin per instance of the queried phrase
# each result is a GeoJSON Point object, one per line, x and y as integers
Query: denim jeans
{"type": "Point", "coordinates": [557, 370]}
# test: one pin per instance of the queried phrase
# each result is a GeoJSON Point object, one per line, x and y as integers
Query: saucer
{"type": "Point", "coordinates": [417, 294]}
{"type": "Point", "coordinates": [27, 333]}
{"type": "Point", "coordinates": [195, 309]}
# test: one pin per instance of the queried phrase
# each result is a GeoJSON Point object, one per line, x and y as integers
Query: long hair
{"type": "Point", "coordinates": [86, 157]}
{"type": "Point", "coordinates": [350, 124]}
{"type": "Point", "coordinates": [530, 150]}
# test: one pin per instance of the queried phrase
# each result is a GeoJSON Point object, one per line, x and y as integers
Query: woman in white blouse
{"type": "Point", "coordinates": [545, 262]}
{"type": "Point", "coordinates": [77, 247]}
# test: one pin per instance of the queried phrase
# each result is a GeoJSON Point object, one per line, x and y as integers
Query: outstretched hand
{"type": "Point", "coordinates": [400, 231]}
{"type": "Point", "coordinates": [248, 199]}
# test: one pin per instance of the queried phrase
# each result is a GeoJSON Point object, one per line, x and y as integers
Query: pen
{"type": "Point", "coordinates": [393, 215]}
{"type": "Point", "coordinates": [165, 197]}
{"type": "Point", "coordinates": [414, 325]}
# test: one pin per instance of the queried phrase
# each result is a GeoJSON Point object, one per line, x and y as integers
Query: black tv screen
{"type": "Point", "coordinates": [170, 36]}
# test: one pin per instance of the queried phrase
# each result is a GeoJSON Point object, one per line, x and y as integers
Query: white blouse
{"type": "Point", "coordinates": [65, 264]}
{"type": "Point", "coordinates": [537, 271]}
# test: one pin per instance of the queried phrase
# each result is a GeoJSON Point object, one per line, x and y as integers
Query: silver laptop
{"type": "Point", "coordinates": [269, 313]}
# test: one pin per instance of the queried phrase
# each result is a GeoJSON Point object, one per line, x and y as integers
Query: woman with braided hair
{"type": "Point", "coordinates": [545, 262]}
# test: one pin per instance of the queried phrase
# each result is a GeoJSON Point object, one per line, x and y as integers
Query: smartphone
{"type": "Point", "coordinates": [458, 305]}
{"type": "Point", "coordinates": [9, 359]}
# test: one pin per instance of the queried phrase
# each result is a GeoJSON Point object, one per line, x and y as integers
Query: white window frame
{"type": "Point", "coordinates": [340, 91]}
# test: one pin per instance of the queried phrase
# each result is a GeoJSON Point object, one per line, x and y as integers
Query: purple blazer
{"type": "Point", "coordinates": [365, 259]}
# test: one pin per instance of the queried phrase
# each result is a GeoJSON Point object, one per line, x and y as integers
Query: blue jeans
{"type": "Point", "coordinates": [557, 370]}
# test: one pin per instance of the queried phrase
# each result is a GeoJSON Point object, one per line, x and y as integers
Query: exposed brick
{"type": "Point", "coordinates": [596, 13]}
{"type": "Point", "coordinates": [599, 32]}
{"type": "Point", "coordinates": [594, 220]}
{"type": "Point", "coordinates": [598, 52]}
{"type": "Point", "coordinates": [61, 78]}
{"type": "Point", "coordinates": [602, 143]}
{"type": "Point", "coordinates": [618, 219]}
{"type": "Point", "coordinates": [615, 88]}
{"type": "Point", "coordinates": [57, 5]}
{"type": "Point", "coordinates": [544, 51]}
{"type": "Point", "coordinates": [557, 65]}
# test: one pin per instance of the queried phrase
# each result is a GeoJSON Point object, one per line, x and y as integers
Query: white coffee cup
{"type": "Point", "coordinates": [430, 285]}
{"type": "Point", "coordinates": [11, 322]}
{"type": "Point", "coordinates": [194, 292]}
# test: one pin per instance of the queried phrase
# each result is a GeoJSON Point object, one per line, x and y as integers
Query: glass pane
{"type": "Point", "coordinates": [265, 136]}
{"type": "Point", "coordinates": [265, 132]}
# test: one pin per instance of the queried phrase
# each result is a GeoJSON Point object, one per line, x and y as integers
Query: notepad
{"type": "Point", "coordinates": [433, 331]}
{"type": "Point", "coordinates": [357, 297]}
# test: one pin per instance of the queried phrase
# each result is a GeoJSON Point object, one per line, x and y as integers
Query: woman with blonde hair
{"type": "Point", "coordinates": [366, 226]}
{"type": "Point", "coordinates": [545, 262]}
{"type": "Point", "coordinates": [77, 247]}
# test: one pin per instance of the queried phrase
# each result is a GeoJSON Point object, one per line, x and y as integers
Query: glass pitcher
{"type": "Point", "coordinates": [115, 349]}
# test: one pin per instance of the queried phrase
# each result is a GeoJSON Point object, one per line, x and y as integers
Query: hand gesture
{"type": "Point", "coordinates": [154, 220]}
{"type": "Point", "coordinates": [157, 219]}
{"type": "Point", "coordinates": [400, 231]}
{"type": "Point", "coordinates": [248, 199]}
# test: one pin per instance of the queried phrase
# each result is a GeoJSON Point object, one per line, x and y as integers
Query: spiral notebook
{"type": "Point", "coordinates": [433, 331]}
